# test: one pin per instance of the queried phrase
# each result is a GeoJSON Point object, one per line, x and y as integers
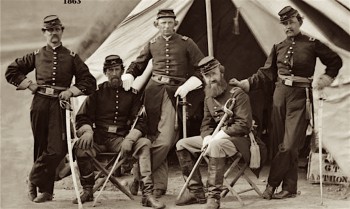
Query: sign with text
{"type": "Point", "coordinates": [331, 173]}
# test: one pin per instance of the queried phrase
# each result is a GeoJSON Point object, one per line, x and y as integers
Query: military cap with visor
{"type": "Point", "coordinates": [287, 13]}
{"type": "Point", "coordinates": [208, 64]}
{"type": "Point", "coordinates": [51, 21]}
{"type": "Point", "coordinates": [112, 61]}
{"type": "Point", "coordinates": [163, 13]}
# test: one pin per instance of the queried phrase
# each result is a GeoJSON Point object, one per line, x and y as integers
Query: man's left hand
{"type": "Point", "coordinates": [65, 95]}
{"type": "Point", "coordinates": [323, 81]}
{"type": "Point", "coordinates": [126, 147]}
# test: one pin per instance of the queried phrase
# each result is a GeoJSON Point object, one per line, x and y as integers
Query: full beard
{"type": "Point", "coordinates": [215, 89]}
{"type": "Point", "coordinates": [115, 82]}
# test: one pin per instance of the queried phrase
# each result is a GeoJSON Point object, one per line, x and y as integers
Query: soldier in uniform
{"type": "Point", "coordinates": [231, 138]}
{"type": "Point", "coordinates": [174, 57]}
{"type": "Point", "coordinates": [103, 121]}
{"type": "Point", "coordinates": [55, 67]}
{"type": "Point", "coordinates": [291, 65]}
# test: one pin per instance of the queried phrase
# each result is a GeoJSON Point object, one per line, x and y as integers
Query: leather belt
{"type": "Point", "coordinates": [168, 80]}
{"type": "Point", "coordinates": [48, 91]}
{"type": "Point", "coordinates": [296, 84]}
{"type": "Point", "coordinates": [295, 81]}
{"type": "Point", "coordinates": [110, 128]}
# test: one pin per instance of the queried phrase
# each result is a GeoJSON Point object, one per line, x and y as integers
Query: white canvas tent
{"type": "Point", "coordinates": [243, 54]}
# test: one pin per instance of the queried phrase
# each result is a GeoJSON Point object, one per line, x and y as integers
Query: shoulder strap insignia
{"type": "Point", "coordinates": [153, 40]}
{"type": "Point", "coordinates": [36, 51]}
{"type": "Point", "coordinates": [185, 38]}
{"type": "Point", "coordinates": [72, 53]}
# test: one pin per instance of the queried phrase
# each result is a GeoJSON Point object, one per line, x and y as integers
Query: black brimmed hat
{"type": "Point", "coordinates": [162, 13]}
{"type": "Point", "coordinates": [287, 13]}
{"type": "Point", "coordinates": [207, 64]}
{"type": "Point", "coordinates": [51, 21]}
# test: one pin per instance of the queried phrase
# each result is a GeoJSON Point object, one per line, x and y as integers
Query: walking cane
{"type": "Point", "coordinates": [217, 129]}
{"type": "Point", "coordinates": [109, 175]}
{"type": "Point", "coordinates": [66, 105]}
{"type": "Point", "coordinates": [320, 115]}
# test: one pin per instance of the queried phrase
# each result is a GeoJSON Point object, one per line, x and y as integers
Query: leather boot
{"type": "Point", "coordinates": [150, 201]}
{"type": "Point", "coordinates": [134, 186]}
{"type": "Point", "coordinates": [215, 181]}
{"type": "Point", "coordinates": [86, 196]}
{"type": "Point", "coordinates": [43, 197]}
{"type": "Point", "coordinates": [195, 193]}
{"type": "Point", "coordinates": [267, 194]}
{"type": "Point", "coordinates": [32, 191]}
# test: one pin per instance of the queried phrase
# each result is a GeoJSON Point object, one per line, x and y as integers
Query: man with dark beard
{"type": "Point", "coordinates": [55, 66]}
{"type": "Point", "coordinates": [227, 142]}
{"type": "Point", "coordinates": [103, 121]}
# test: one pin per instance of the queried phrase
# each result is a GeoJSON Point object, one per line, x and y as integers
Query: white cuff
{"type": "Point", "coordinates": [75, 91]}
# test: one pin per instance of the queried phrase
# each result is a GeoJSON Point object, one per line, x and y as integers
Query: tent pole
{"type": "Point", "coordinates": [209, 28]}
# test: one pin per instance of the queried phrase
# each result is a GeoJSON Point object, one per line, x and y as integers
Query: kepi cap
{"type": "Point", "coordinates": [287, 13]}
{"type": "Point", "coordinates": [207, 64]}
{"type": "Point", "coordinates": [112, 61]}
{"type": "Point", "coordinates": [162, 13]}
{"type": "Point", "coordinates": [51, 21]}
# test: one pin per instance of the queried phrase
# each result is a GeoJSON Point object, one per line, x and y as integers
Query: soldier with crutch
{"type": "Point", "coordinates": [229, 138]}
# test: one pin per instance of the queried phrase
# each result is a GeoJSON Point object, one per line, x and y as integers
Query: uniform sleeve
{"type": "Point", "coordinates": [329, 58]}
{"type": "Point", "coordinates": [242, 116]}
{"type": "Point", "coordinates": [86, 113]}
{"type": "Point", "coordinates": [137, 67]}
{"type": "Point", "coordinates": [195, 55]}
{"type": "Point", "coordinates": [267, 73]}
{"type": "Point", "coordinates": [16, 72]}
{"type": "Point", "coordinates": [84, 81]}
{"type": "Point", "coordinates": [208, 122]}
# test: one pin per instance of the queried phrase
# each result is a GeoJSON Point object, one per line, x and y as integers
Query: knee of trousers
{"type": "Point", "coordinates": [215, 149]}
{"type": "Point", "coordinates": [182, 144]}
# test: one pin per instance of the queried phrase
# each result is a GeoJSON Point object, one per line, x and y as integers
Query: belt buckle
{"type": "Point", "coordinates": [165, 79]}
{"type": "Point", "coordinates": [49, 91]}
{"type": "Point", "coordinates": [112, 129]}
{"type": "Point", "coordinates": [288, 82]}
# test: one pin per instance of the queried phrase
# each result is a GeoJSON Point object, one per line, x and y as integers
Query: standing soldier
{"type": "Point", "coordinates": [174, 57]}
{"type": "Point", "coordinates": [291, 64]}
{"type": "Point", "coordinates": [55, 67]}
{"type": "Point", "coordinates": [111, 111]}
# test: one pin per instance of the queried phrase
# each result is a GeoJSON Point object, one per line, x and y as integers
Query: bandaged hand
{"type": "Point", "coordinates": [323, 81]}
{"type": "Point", "coordinates": [191, 84]}
{"type": "Point", "coordinates": [127, 80]}
{"type": "Point", "coordinates": [206, 142]}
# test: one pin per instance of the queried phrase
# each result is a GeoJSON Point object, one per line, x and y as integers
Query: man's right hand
{"type": "Point", "coordinates": [86, 140]}
{"type": "Point", "coordinates": [127, 80]}
{"type": "Point", "coordinates": [33, 87]}
{"type": "Point", "coordinates": [243, 84]}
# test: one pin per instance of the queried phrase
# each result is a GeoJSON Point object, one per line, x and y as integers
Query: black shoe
{"type": "Point", "coordinates": [32, 191]}
{"type": "Point", "coordinates": [150, 201]}
{"type": "Point", "coordinates": [189, 198]}
{"type": "Point", "coordinates": [134, 187]}
{"type": "Point", "coordinates": [86, 196]}
{"type": "Point", "coordinates": [267, 194]}
{"type": "Point", "coordinates": [283, 194]}
{"type": "Point", "coordinates": [43, 197]}
{"type": "Point", "coordinates": [157, 193]}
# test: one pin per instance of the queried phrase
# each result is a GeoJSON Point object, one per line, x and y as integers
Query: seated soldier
{"type": "Point", "coordinates": [227, 142]}
{"type": "Point", "coordinates": [102, 123]}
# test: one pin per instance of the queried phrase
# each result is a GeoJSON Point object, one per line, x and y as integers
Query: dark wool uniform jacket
{"type": "Point", "coordinates": [296, 58]}
{"type": "Point", "coordinates": [175, 58]}
{"type": "Point", "coordinates": [109, 106]}
{"type": "Point", "coordinates": [54, 67]}
{"type": "Point", "coordinates": [236, 126]}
